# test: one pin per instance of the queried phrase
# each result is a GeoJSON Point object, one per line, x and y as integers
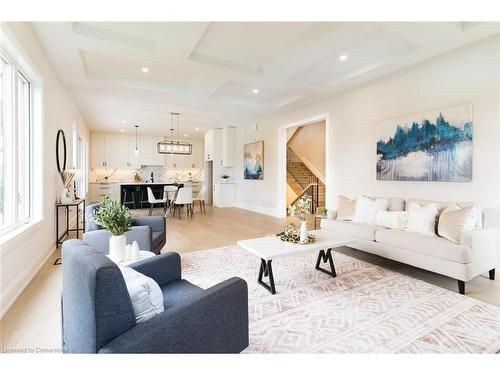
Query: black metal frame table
{"type": "Point", "coordinates": [269, 248]}
{"type": "Point", "coordinates": [76, 203]}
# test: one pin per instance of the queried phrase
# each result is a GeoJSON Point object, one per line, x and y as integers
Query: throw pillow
{"type": "Point", "coordinates": [454, 220]}
{"type": "Point", "coordinates": [422, 219]}
{"type": "Point", "coordinates": [346, 208]}
{"type": "Point", "coordinates": [145, 294]}
{"type": "Point", "coordinates": [366, 209]}
{"type": "Point", "coordinates": [391, 219]}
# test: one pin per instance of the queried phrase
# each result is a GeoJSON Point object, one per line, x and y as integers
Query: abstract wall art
{"type": "Point", "coordinates": [431, 146]}
{"type": "Point", "coordinates": [253, 162]}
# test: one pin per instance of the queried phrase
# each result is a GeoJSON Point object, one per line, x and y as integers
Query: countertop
{"type": "Point", "coordinates": [144, 183]}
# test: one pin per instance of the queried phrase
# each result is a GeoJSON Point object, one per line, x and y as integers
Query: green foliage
{"type": "Point", "coordinates": [112, 216]}
{"type": "Point", "coordinates": [301, 208]}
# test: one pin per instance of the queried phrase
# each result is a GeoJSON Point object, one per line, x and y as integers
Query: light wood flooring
{"type": "Point", "coordinates": [34, 320]}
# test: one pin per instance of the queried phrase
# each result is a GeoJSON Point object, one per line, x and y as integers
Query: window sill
{"type": "Point", "coordinates": [10, 238]}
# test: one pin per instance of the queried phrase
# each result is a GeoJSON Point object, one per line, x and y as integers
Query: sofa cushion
{"type": "Point", "coordinates": [346, 208]}
{"type": "Point", "coordinates": [441, 205]}
{"type": "Point", "coordinates": [359, 230]}
{"type": "Point", "coordinates": [420, 243]}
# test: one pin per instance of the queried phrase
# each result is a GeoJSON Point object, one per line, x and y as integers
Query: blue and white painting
{"type": "Point", "coordinates": [433, 146]}
{"type": "Point", "coordinates": [253, 162]}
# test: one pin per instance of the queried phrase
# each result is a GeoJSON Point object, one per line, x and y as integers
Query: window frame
{"type": "Point", "coordinates": [21, 68]}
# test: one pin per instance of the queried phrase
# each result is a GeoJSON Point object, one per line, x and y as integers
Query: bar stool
{"type": "Point", "coordinates": [128, 192]}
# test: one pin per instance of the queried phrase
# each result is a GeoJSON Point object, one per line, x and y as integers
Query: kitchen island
{"type": "Point", "coordinates": [135, 194]}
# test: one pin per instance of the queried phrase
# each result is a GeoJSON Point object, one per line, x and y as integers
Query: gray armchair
{"type": "Point", "coordinates": [97, 314]}
{"type": "Point", "coordinates": [148, 231]}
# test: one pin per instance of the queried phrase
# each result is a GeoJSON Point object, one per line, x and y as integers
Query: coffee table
{"type": "Point", "coordinates": [269, 248]}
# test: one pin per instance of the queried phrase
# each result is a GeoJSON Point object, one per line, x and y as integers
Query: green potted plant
{"type": "Point", "coordinates": [118, 220]}
{"type": "Point", "coordinates": [300, 210]}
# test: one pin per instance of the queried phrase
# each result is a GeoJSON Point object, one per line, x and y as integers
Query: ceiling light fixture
{"type": "Point", "coordinates": [255, 91]}
{"type": "Point", "coordinates": [174, 146]}
{"type": "Point", "coordinates": [124, 121]}
{"type": "Point", "coordinates": [144, 69]}
{"type": "Point", "coordinates": [122, 130]}
{"type": "Point", "coordinates": [343, 57]}
{"type": "Point", "coordinates": [136, 147]}
{"type": "Point", "coordinates": [196, 128]}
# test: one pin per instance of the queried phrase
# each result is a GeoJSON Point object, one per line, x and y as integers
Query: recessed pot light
{"type": "Point", "coordinates": [185, 135]}
{"type": "Point", "coordinates": [255, 91]}
{"type": "Point", "coordinates": [343, 57]}
{"type": "Point", "coordinates": [124, 121]}
{"type": "Point", "coordinates": [196, 128]}
{"type": "Point", "coordinates": [122, 130]}
{"type": "Point", "coordinates": [144, 69]}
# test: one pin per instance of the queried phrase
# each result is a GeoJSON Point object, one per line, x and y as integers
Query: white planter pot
{"type": "Point", "coordinates": [303, 231]}
{"type": "Point", "coordinates": [117, 248]}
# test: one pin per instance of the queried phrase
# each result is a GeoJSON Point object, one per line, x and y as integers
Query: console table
{"type": "Point", "coordinates": [67, 206]}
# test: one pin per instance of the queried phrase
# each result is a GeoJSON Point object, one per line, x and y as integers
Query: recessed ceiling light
{"type": "Point", "coordinates": [185, 135]}
{"type": "Point", "coordinates": [122, 130]}
{"type": "Point", "coordinates": [145, 69]}
{"type": "Point", "coordinates": [343, 57]}
{"type": "Point", "coordinates": [255, 91]}
{"type": "Point", "coordinates": [196, 128]}
{"type": "Point", "coordinates": [124, 121]}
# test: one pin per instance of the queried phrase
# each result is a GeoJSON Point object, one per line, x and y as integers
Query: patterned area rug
{"type": "Point", "coordinates": [365, 309]}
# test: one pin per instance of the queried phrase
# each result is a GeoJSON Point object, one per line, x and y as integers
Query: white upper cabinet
{"type": "Point", "coordinates": [118, 151]}
{"type": "Point", "coordinates": [98, 150]}
{"type": "Point", "coordinates": [228, 146]}
{"type": "Point", "coordinates": [213, 140]}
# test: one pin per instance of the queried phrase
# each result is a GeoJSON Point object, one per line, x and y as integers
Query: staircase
{"type": "Point", "coordinates": [303, 181]}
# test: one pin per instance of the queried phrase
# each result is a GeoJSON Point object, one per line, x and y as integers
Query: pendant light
{"type": "Point", "coordinates": [174, 146]}
{"type": "Point", "coordinates": [136, 151]}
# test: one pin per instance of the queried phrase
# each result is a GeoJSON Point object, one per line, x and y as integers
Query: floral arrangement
{"type": "Point", "coordinates": [301, 208]}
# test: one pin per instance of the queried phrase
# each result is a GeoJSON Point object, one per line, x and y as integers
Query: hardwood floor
{"type": "Point", "coordinates": [34, 320]}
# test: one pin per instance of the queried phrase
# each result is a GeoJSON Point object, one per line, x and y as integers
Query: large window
{"type": "Point", "coordinates": [15, 146]}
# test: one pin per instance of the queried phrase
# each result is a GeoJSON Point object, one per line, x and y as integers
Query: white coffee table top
{"type": "Point", "coordinates": [127, 262]}
{"type": "Point", "coordinates": [268, 248]}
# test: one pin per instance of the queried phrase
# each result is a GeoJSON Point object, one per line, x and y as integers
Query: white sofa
{"type": "Point", "coordinates": [477, 252]}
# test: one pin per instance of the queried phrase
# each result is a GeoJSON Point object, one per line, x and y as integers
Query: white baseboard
{"type": "Point", "coordinates": [21, 285]}
{"type": "Point", "coordinates": [260, 210]}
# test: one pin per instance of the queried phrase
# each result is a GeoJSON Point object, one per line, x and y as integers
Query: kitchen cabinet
{"type": "Point", "coordinates": [97, 191]}
{"type": "Point", "coordinates": [98, 150]}
{"type": "Point", "coordinates": [116, 150]}
{"type": "Point", "coordinates": [228, 146]}
{"type": "Point", "coordinates": [224, 194]}
{"type": "Point", "coordinates": [213, 139]}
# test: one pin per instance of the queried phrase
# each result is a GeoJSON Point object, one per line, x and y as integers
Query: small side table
{"type": "Point", "coordinates": [67, 206]}
{"type": "Point", "coordinates": [142, 255]}
{"type": "Point", "coordinates": [318, 217]}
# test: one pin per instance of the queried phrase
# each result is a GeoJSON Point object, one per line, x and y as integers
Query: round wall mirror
{"type": "Point", "coordinates": [61, 150]}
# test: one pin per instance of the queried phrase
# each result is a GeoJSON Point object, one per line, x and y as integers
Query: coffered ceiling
{"type": "Point", "coordinates": [226, 73]}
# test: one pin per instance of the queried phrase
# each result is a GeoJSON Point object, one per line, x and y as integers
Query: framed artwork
{"type": "Point", "coordinates": [431, 146]}
{"type": "Point", "coordinates": [253, 161]}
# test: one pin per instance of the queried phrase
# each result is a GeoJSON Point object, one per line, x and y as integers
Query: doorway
{"type": "Point", "coordinates": [304, 162]}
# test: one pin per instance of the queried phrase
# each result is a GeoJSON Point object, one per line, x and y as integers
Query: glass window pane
{"type": "Point", "coordinates": [24, 149]}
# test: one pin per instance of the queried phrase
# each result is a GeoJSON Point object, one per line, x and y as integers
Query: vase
{"type": "Point", "coordinates": [65, 199]}
{"type": "Point", "coordinates": [117, 248]}
{"type": "Point", "coordinates": [303, 232]}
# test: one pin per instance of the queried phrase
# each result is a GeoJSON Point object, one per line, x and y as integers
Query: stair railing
{"type": "Point", "coordinates": [312, 191]}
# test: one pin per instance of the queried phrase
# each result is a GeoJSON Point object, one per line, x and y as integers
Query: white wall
{"type": "Point", "coordinates": [467, 75]}
{"type": "Point", "coordinates": [23, 256]}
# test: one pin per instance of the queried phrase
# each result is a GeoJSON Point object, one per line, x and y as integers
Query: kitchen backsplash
{"type": "Point", "coordinates": [160, 174]}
